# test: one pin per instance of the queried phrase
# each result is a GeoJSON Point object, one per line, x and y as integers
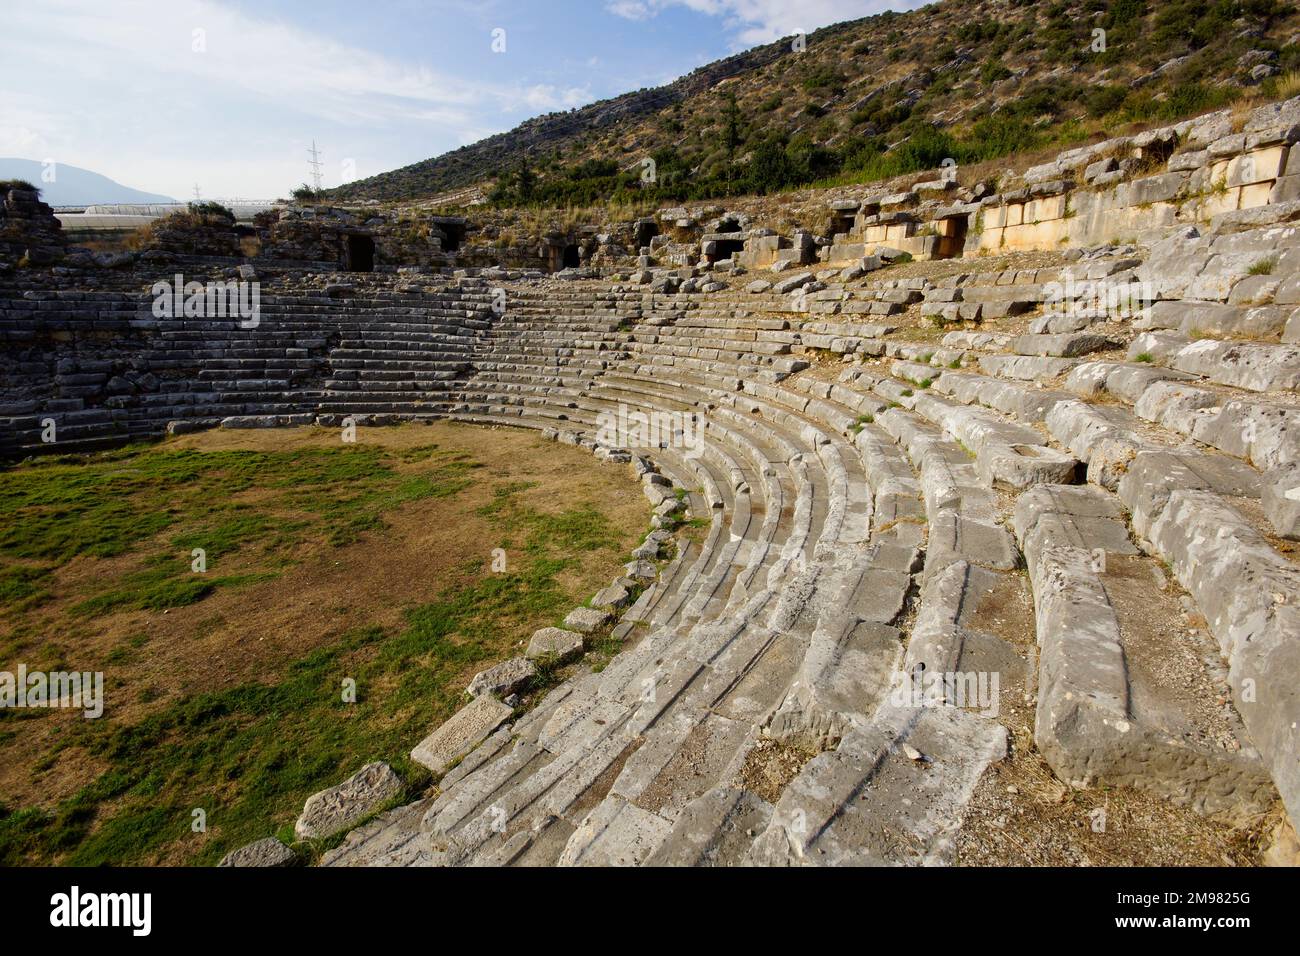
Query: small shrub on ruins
{"type": "Point", "coordinates": [824, 77]}
{"type": "Point", "coordinates": [306, 194]}
{"type": "Point", "coordinates": [207, 213]}
{"type": "Point", "coordinates": [1145, 357]}
{"type": "Point", "coordinates": [992, 71]}
{"type": "Point", "coordinates": [20, 184]}
{"type": "Point", "coordinates": [1264, 267]}
{"type": "Point", "coordinates": [1105, 99]}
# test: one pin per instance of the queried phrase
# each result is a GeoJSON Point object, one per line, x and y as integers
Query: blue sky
{"type": "Point", "coordinates": [165, 94]}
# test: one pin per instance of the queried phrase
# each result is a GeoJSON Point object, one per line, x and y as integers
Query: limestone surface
{"type": "Point", "coordinates": [337, 808]}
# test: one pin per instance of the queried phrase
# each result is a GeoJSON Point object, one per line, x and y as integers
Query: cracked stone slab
{"type": "Point", "coordinates": [554, 642]}
{"type": "Point", "coordinates": [261, 853]}
{"type": "Point", "coordinates": [502, 680]}
{"type": "Point", "coordinates": [468, 728]}
{"type": "Point", "coordinates": [337, 808]}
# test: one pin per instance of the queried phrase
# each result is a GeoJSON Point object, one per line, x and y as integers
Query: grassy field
{"type": "Point", "coordinates": [325, 562]}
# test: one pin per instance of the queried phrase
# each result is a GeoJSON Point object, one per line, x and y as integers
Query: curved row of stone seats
{"type": "Point", "coordinates": [1146, 735]}
{"type": "Point", "coordinates": [770, 457]}
{"type": "Point", "coordinates": [711, 801]}
{"type": "Point", "coordinates": [1145, 467]}
{"type": "Point", "coordinates": [694, 721]}
{"type": "Point", "coordinates": [755, 472]}
{"type": "Point", "coordinates": [1107, 711]}
{"type": "Point", "coordinates": [833, 508]}
{"type": "Point", "coordinates": [1264, 433]}
{"type": "Point", "coordinates": [827, 509]}
{"type": "Point", "coordinates": [1255, 366]}
{"type": "Point", "coordinates": [302, 356]}
{"type": "Point", "coordinates": [841, 809]}
{"type": "Point", "coordinates": [659, 749]}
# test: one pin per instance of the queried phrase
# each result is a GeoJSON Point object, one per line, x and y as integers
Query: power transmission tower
{"type": "Point", "coordinates": [198, 197]}
{"type": "Point", "coordinates": [315, 165]}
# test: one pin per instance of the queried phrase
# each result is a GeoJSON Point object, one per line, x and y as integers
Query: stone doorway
{"type": "Point", "coordinates": [645, 231]}
{"type": "Point", "coordinates": [453, 235]}
{"type": "Point", "coordinates": [952, 237]}
{"type": "Point", "coordinates": [359, 254]}
{"type": "Point", "coordinates": [724, 248]}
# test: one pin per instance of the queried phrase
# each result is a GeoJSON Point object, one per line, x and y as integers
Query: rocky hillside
{"type": "Point", "coordinates": [970, 80]}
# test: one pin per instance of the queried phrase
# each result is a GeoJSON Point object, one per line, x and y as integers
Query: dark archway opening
{"type": "Point", "coordinates": [952, 237]}
{"type": "Point", "coordinates": [842, 223]}
{"type": "Point", "coordinates": [725, 248]}
{"type": "Point", "coordinates": [359, 254]}
{"type": "Point", "coordinates": [572, 257]}
{"type": "Point", "coordinates": [453, 236]}
{"type": "Point", "coordinates": [645, 231]}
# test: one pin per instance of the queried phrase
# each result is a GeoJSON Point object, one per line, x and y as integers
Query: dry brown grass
{"type": "Point", "coordinates": [1288, 85]}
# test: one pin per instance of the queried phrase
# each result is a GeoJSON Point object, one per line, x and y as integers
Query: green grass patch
{"type": "Point", "coordinates": [248, 755]}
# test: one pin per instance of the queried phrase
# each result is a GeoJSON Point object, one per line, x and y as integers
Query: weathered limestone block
{"type": "Point", "coordinates": [262, 853]}
{"type": "Point", "coordinates": [587, 620]}
{"type": "Point", "coordinates": [468, 728]}
{"type": "Point", "coordinates": [613, 597]}
{"type": "Point", "coordinates": [1266, 435]}
{"type": "Point", "coordinates": [1257, 367]}
{"type": "Point", "coordinates": [1158, 347]}
{"type": "Point", "coordinates": [1086, 724]}
{"type": "Point", "coordinates": [1281, 500]}
{"type": "Point", "coordinates": [1129, 382]}
{"type": "Point", "coordinates": [1246, 591]}
{"type": "Point", "coordinates": [502, 679]}
{"type": "Point", "coordinates": [785, 286]}
{"type": "Point", "coordinates": [616, 833]}
{"type": "Point", "coordinates": [555, 643]}
{"type": "Point", "coordinates": [1095, 434]}
{"type": "Point", "coordinates": [338, 808]}
{"type": "Point", "coordinates": [1022, 466]}
{"type": "Point", "coordinates": [1069, 516]}
{"type": "Point", "coordinates": [1174, 405]}
{"type": "Point", "coordinates": [1064, 345]}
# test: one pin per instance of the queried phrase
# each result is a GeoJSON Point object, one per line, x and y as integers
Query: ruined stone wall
{"type": "Point", "coordinates": [29, 232]}
{"type": "Point", "coordinates": [322, 233]}
{"type": "Point", "coordinates": [188, 233]}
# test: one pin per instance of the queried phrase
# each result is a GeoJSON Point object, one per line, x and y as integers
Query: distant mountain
{"type": "Point", "coordinates": [73, 186]}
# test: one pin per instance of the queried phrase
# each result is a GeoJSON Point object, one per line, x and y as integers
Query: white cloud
{"type": "Point", "coordinates": [761, 21]}
{"type": "Point", "coordinates": [178, 90]}
{"type": "Point", "coordinates": [22, 142]}
{"type": "Point", "coordinates": [630, 9]}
